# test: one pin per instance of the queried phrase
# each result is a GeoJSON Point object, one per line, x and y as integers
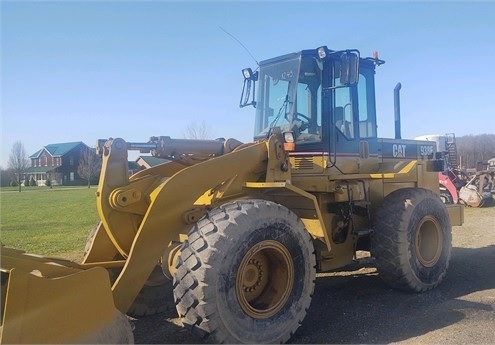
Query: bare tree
{"type": "Point", "coordinates": [89, 165]}
{"type": "Point", "coordinates": [475, 148]}
{"type": "Point", "coordinates": [18, 161]}
{"type": "Point", "coordinates": [197, 131]}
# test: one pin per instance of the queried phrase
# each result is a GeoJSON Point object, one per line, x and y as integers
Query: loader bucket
{"type": "Point", "coordinates": [69, 308]}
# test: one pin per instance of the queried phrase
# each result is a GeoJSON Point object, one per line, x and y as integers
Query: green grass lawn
{"type": "Point", "coordinates": [52, 222]}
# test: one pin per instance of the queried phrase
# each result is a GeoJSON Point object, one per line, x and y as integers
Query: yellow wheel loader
{"type": "Point", "coordinates": [238, 230]}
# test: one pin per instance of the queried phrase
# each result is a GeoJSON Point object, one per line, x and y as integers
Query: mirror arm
{"type": "Point", "coordinates": [246, 93]}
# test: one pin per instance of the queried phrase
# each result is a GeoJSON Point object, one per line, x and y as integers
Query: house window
{"type": "Point", "coordinates": [72, 176]}
{"type": "Point", "coordinates": [71, 161]}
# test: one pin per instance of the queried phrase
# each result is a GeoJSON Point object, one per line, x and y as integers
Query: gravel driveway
{"type": "Point", "coordinates": [357, 307]}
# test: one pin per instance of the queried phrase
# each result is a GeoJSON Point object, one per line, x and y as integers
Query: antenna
{"type": "Point", "coordinates": [242, 45]}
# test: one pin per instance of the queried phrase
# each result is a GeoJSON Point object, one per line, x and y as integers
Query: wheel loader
{"type": "Point", "coordinates": [239, 231]}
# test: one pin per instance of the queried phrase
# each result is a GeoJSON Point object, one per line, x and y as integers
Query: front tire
{"type": "Point", "coordinates": [246, 274]}
{"type": "Point", "coordinates": [412, 239]}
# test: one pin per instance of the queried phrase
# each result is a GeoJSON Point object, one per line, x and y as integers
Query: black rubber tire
{"type": "Point", "coordinates": [445, 196]}
{"type": "Point", "coordinates": [153, 299]}
{"type": "Point", "coordinates": [486, 199]}
{"type": "Point", "coordinates": [205, 287]}
{"type": "Point", "coordinates": [412, 239]}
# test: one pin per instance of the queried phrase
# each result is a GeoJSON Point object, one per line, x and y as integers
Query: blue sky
{"type": "Point", "coordinates": [79, 71]}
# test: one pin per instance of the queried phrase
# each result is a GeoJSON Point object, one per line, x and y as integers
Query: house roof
{"type": "Point", "coordinates": [152, 161]}
{"type": "Point", "coordinates": [57, 150]}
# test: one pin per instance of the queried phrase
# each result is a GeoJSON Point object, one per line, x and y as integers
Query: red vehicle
{"type": "Point", "coordinates": [455, 185]}
{"type": "Point", "coordinates": [448, 192]}
{"type": "Point", "coordinates": [450, 180]}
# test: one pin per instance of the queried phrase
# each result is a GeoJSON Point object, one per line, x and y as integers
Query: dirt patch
{"type": "Point", "coordinates": [357, 307]}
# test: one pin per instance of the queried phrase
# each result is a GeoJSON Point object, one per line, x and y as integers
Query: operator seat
{"type": "Point", "coordinates": [343, 125]}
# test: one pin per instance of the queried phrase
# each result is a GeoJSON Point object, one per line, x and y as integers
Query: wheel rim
{"type": "Point", "coordinates": [264, 280]}
{"type": "Point", "coordinates": [429, 239]}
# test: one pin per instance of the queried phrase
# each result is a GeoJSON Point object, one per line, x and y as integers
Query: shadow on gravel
{"type": "Point", "coordinates": [360, 308]}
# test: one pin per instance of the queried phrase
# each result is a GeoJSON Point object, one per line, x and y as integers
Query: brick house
{"type": "Point", "coordinates": [57, 162]}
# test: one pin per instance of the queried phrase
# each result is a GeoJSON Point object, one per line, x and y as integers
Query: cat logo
{"type": "Point", "coordinates": [399, 151]}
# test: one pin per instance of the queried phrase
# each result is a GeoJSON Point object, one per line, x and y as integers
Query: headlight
{"type": "Point", "coordinates": [289, 141]}
{"type": "Point", "coordinates": [248, 73]}
{"type": "Point", "coordinates": [322, 53]}
{"type": "Point", "coordinates": [289, 137]}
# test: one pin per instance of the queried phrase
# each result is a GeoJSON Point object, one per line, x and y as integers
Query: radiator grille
{"type": "Point", "coordinates": [303, 163]}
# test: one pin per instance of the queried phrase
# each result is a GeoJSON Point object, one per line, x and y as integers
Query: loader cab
{"type": "Point", "coordinates": [325, 98]}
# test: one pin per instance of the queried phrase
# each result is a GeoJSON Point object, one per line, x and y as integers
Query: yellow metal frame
{"type": "Point", "coordinates": [144, 216]}
{"type": "Point", "coordinates": [171, 197]}
{"type": "Point", "coordinates": [53, 301]}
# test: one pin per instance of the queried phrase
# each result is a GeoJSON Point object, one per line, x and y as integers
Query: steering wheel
{"type": "Point", "coordinates": [297, 115]}
{"type": "Point", "coordinates": [304, 124]}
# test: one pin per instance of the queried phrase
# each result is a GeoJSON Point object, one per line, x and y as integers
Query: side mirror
{"type": "Point", "coordinates": [349, 68]}
{"type": "Point", "coordinates": [247, 96]}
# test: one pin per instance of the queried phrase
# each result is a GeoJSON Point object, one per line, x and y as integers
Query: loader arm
{"type": "Point", "coordinates": [141, 238]}
{"type": "Point", "coordinates": [140, 216]}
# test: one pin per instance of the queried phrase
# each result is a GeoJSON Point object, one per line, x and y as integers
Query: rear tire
{"type": "Point", "coordinates": [412, 241]}
{"type": "Point", "coordinates": [156, 296]}
{"type": "Point", "coordinates": [246, 274]}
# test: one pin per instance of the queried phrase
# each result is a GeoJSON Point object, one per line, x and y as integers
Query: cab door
{"type": "Point", "coordinates": [354, 119]}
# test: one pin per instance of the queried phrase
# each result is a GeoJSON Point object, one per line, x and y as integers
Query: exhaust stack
{"type": "Point", "coordinates": [397, 110]}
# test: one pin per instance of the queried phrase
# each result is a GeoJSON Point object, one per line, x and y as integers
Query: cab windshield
{"type": "Point", "coordinates": [289, 98]}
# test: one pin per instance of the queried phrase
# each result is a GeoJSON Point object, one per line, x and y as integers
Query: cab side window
{"type": "Point", "coordinates": [343, 112]}
{"type": "Point", "coordinates": [367, 117]}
